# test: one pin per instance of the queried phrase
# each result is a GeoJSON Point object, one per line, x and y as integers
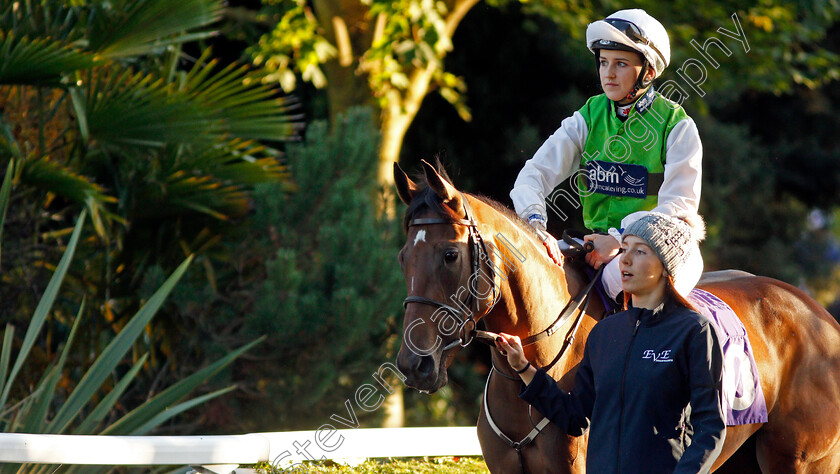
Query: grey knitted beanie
{"type": "Point", "coordinates": [675, 240]}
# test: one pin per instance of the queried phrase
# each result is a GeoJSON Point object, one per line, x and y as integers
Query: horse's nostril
{"type": "Point", "coordinates": [426, 366]}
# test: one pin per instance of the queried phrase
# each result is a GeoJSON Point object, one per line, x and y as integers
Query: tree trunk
{"type": "Point", "coordinates": [397, 117]}
{"type": "Point", "coordinates": [347, 26]}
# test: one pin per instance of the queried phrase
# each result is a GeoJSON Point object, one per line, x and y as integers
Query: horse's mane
{"type": "Point", "coordinates": [507, 212]}
{"type": "Point", "coordinates": [427, 199]}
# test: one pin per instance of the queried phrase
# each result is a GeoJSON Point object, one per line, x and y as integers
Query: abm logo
{"type": "Point", "coordinates": [599, 175]}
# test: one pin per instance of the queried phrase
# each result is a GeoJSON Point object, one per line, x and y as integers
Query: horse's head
{"type": "Point", "coordinates": [446, 286]}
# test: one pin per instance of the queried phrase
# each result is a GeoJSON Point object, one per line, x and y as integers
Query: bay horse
{"type": "Point", "coordinates": [468, 258]}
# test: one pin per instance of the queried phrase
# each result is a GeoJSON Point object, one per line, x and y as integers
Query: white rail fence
{"type": "Point", "coordinates": [225, 453]}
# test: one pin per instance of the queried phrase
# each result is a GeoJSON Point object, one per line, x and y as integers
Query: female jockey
{"type": "Point", "coordinates": [629, 150]}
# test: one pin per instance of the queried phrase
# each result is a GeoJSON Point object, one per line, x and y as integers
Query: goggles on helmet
{"type": "Point", "coordinates": [634, 33]}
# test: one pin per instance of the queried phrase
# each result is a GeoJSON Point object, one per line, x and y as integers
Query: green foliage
{"type": "Point", "coordinates": [402, 38]}
{"type": "Point", "coordinates": [786, 43]}
{"type": "Point", "coordinates": [125, 28]}
{"type": "Point", "coordinates": [295, 44]}
{"type": "Point", "coordinates": [102, 109]}
{"type": "Point", "coordinates": [88, 407]}
{"type": "Point", "coordinates": [96, 106]}
{"type": "Point", "coordinates": [786, 38]}
{"type": "Point", "coordinates": [415, 36]}
{"type": "Point", "coordinates": [39, 60]}
{"type": "Point", "coordinates": [331, 288]}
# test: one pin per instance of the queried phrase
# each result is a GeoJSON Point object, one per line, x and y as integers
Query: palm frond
{"type": "Point", "coordinates": [123, 107]}
{"type": "Point", "coordinates": [56, 20]}
{"type": "Point", "coordinates": [54, 177]}
{"type": "Point", "coordinates": [212, 180]}
{"type": "Point", "coordinates": [126, 108]}
{"type": "Point", "coordinates": [241, 103]}
{"type": "Point", "coordinates": [49, 176]}
{"type": "Point", "coordinates": [38, 61]}
{"type": "Point", "coordinates": [237, 161]}
{"type": "Point", "coordinates": [123, 28]}
{"type": "Point", "coordinates": [187, 192]}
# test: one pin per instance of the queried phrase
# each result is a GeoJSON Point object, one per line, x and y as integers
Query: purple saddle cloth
{"type": "Point", "coordinates": [743, 400]}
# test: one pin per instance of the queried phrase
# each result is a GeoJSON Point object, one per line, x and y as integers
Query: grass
{"type": "Point", "coordinates": [425, 465]}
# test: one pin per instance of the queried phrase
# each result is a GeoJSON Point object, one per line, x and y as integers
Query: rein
{"type": "Point", "coordinates": [568, 311]}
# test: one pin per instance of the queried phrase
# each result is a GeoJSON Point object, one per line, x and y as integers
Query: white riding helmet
{"type": "Point", "coordinates": [633, 30]}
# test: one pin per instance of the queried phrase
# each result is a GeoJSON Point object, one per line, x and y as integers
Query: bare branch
{"type": "Point", "coordinates": [457, 14]}
{"type": "Point", "coordinates": [381, 19]}
{"type": "Point", "coordinates": [342, 41]}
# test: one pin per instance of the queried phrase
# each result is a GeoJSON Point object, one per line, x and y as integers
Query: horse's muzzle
{"type": "Point", "coordinates": [422, 372]}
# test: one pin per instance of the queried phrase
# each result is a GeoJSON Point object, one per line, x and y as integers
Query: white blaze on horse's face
{"type": "Point", "coordinates": [420, 237]}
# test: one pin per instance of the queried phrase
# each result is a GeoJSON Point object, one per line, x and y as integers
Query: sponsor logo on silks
{"type": "Point", "coordinates": [646, 100]}
{"type": "Point", "coordinates": [617, 179]}
{"type": "Point", "coordinates": [661, 356]}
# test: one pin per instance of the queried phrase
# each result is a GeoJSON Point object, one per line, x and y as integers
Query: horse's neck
{"type": "Point", "coordinates": [533, 289]}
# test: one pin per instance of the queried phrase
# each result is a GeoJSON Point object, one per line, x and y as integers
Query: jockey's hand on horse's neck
{"type": "Point", "coordinates": [550, 243]}
{"type": "Point", "coordinates": [606, 248]}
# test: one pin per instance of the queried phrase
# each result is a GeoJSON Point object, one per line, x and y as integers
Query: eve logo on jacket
{"type": "Point", "coordinates": [663, 356]}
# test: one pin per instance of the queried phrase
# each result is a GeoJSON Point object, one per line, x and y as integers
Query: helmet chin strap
{"type": "Point", "coordinates": [641, 83]}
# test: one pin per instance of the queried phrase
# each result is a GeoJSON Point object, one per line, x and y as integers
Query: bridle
{"type": "Point", "coordinates": [478, 253]}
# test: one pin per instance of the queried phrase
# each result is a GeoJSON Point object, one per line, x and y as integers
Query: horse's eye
{"type": "Point", "coordinates": [450, 256]}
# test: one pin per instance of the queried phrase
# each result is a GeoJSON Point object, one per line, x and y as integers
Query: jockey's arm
{"type": "Point", "coordinates": [556, 160]}
{"type": "Point", "coordinates": [680, 191]}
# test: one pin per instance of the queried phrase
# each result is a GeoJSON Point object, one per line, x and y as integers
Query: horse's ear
{"type": "Point", "coordinates": [406, 188]}
{"type": "Point", "coordinates": [443, 188]}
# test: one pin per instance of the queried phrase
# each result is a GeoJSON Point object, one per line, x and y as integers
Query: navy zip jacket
{"type": "Point", "coordinates": [649, 384]}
